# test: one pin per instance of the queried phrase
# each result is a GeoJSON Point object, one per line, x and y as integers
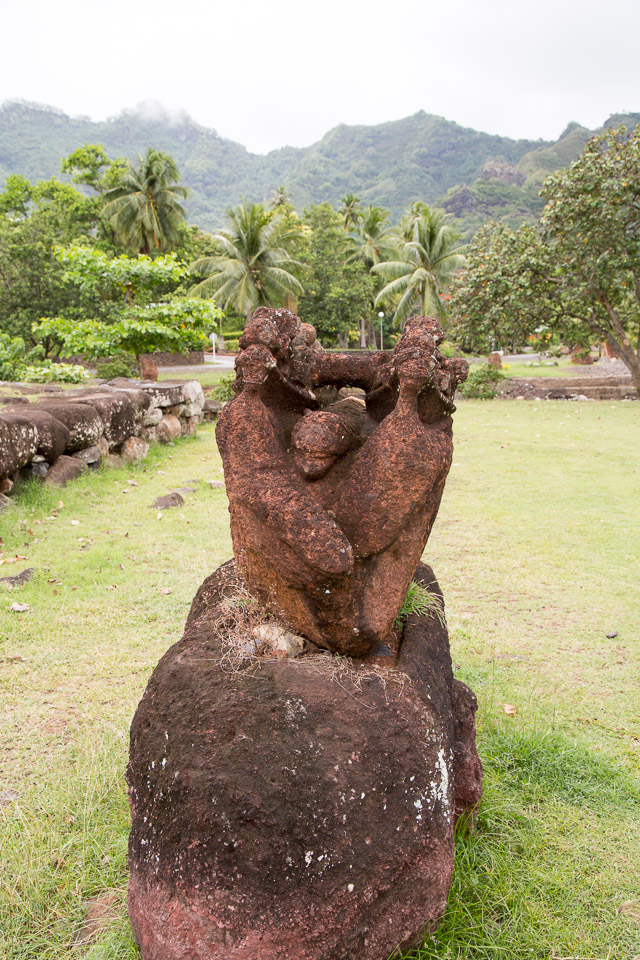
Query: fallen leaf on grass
{"type": "Point", "coordinates": [165, 591]}
{"type": "Point", "coordinates": [134, 483]}
{"type": "Point", "coordinates": [101, 911]}
{"type": "Point", "coordinates": [19, 607]}
{"type": "Point", "coordinates": [630, 910]}
{"type": "Point", "coordinates": [509, 709]}
{"type": "Point", "coordinates": [111, 586]}
{"type": "Point", "coordinates": [75, 523]}
{"type": "Point", "coordinates": [60, 505]}
{"type": "Point", "coordinates": [159, 516]}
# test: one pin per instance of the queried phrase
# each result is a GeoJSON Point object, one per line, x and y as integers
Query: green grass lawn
{"type": "Point", "coordinates": [563, 368]}
{"type": "Point", "coordinates": [536, 549]}
{"type": "Point", "coordinates": [207, 378]}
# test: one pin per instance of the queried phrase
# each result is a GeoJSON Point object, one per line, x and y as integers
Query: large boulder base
{"type": "Point", "coordinates": [295, 809]}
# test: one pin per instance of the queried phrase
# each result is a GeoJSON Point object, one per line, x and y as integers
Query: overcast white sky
{"type": "Point", "coordinates": [282, 72]}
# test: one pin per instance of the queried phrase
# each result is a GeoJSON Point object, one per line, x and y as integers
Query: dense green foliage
{"type": "Point", "coordinates": [253, 265]}
{"type": "Point", "coordinates": [143, 205]}
{"type": "Point", "coordinates": [481, 384]}
{"type": "Point", "coordinates": [178, 325]}
{"type": "Point", "coordinates": [34, 220]}
{"type": "Point", "coordinates": [390, 164]}
{"type": "Point", "coordinates": [427, 255]}
{"type": "Point", "coordinates": [14, 357]}
{"type": "Point", "coordinates": [577, 271]}
{"type": "Point", "coordinates": [49, 372]}
{"type": "Point", "coordinates": [338, 287]}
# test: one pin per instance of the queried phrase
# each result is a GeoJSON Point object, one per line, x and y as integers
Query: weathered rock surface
{"type": "Point", "coordinates": [90, 455]}
{"type": "Point", "coordinates": [295, 809]}
{"type": "Point", "coordinates": [65, 469]}
{"type": "Point", "coordinates": [134, 449]}
{"type": "Point", "coordinates": [88, 422]}
{"type": "Point", "coordinates": [53, 436]}
{"type": "Point", "coordinates": [169, 500]}
{"type": "Point", "coordinates": [18, 442]}
{"type": "Point", "coordinates": [117, 415]}
{"type": "Point", "coordinates": [81, 420]}
{"type": "Point", "coordinates": [332, 504]}
{"type": "Point", "coordinates": [168, 429]}
{"type": "Point", "coordinates": [211, 408]}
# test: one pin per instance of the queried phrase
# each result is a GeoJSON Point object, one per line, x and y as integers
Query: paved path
{"type": "Point", "coordinates": [194, 369]}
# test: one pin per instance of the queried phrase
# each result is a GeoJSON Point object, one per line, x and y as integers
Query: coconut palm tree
{"type": "Point", "coordinates": [144, 205]}
{"type": "Point", "coordinates": [427, 255]}
{"type": "Point", "coordinates": [350, 211]}
{"type": "Point", "coordinates": [250, 270]}
{"type": "Point", "coordinates": [373, 238]}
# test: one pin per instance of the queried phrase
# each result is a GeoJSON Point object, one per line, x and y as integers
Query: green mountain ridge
{"type": "Point", "coordinates": [474, 175]}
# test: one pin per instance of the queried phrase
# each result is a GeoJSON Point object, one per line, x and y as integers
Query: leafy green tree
{"type": "Point", "coordinates": [338, 289]}
{"type": "Point", "coordinates": [502, 295]}
{"type": "Point", "coordinates": [144, 204]}
{"type": "Point", "coordinates": [253, 265]}
{"type": "Point", "coordinates": [423, 265]}
{"type": "Point", "coordinates": [591, 222]}
{"type": "Point", "coordinates": [578, 269]}
{"type": "Point", "coordinates": [90, 166]}
{"type": "Point", "coordinates": [34, 219]}
{"type": "Point", "coordinates": [179, 325]}
{"type": "Point", "coordinates": [122, 278]}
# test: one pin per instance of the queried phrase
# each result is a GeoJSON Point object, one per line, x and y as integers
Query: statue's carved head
{"type": "Point", "coordinates": [321, 437]}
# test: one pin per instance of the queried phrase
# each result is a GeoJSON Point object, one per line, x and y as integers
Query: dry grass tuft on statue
{"type": "Point", "coordinates": [299, 759]}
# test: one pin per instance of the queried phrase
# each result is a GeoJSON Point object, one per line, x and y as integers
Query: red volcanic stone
{"type": "Point", "coordinates": [332, 503]}
{"type": "Point", "coordinates": [295, 809]}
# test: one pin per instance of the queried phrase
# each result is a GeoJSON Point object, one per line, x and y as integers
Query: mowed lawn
{"type": "Point", "coordinates": [537, 549]}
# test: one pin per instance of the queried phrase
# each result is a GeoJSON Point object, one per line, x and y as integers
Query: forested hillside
{"type": "Point", "coordinates": [476, 176]}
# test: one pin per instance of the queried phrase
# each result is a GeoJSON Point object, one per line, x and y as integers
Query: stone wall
{"type": "Point", "coordinates": [166, 359]}
{"type": "Point", "coordinates": [56, 434]}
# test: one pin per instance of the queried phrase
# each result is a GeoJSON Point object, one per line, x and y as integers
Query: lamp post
{"type": "Point", "coordinates": [381, 315]}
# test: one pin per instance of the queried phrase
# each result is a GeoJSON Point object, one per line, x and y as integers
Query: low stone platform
{"type": "Point", "coordinates": [569, 388]}
{"type": "Point", "coordinates": [295, 808]}
{"type": "Point", "coordinates": [55, 434]}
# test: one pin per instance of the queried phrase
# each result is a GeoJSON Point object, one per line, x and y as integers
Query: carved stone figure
{"type": "Point", "coordinates": [332, 500]}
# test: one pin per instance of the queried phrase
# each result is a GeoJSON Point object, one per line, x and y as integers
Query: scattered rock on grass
{"type": "Point", "coordinates": [19, 607]}
{"type": "Point", "coordinates": [173, 499]}
{"type": "Point", "coordinates": [19, 579]}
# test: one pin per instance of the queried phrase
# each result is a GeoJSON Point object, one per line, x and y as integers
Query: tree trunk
{"type": "Point", "coordinates": [623, 345]}
{"type": "Point", "coordinates": [363, 333]}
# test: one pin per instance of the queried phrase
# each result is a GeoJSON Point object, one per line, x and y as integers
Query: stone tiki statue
{"type": "Point", "coordinates": [333, 497]}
